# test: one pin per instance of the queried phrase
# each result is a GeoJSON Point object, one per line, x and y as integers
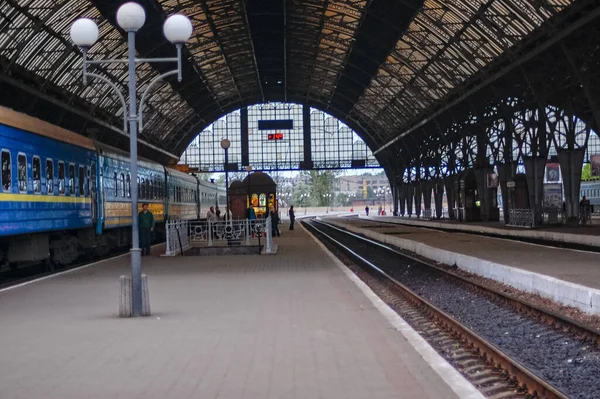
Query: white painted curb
{"type": "Point", "coordinates": [581, 297]}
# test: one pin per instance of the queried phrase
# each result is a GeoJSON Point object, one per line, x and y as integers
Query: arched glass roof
{"type": "Point", "coordinates": [375, 64]}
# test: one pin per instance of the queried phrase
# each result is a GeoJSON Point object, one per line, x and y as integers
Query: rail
{"type": "Point", "coordinates": [526, 379]}
{"type": "Point", "coordinates": [182, 235]}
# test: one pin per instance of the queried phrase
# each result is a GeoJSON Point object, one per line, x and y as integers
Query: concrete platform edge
{"type": "Point", "coordinates": [458, 384]}
{"type": "Point", "coordinates": [590, 240]}
{"type": "Point", "coordinates": [581, 297]}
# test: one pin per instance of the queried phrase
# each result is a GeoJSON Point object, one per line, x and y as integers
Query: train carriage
{"type": "Point", "coordinates": [46, 191]}
{"type": "Point", "coordinates": [63, 195]}
{"type": "Point", "coordinates": [182, 198]}
{"type": "Point", "coordinates": [115, 181]}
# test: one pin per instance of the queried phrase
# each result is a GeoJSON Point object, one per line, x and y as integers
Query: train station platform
{"type": "Point", "coordinates": [295, 325]}
{"type": "Point", "coordinates": [587, 235]}
{"type": "Point", "coordinates": [570, 277]}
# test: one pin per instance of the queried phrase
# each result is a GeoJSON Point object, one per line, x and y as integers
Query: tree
{"type": "Point", "coordinates": [232, 176]}
{"type": "Point", "coordinates": [301, 195]}
{"type": "Point", "coordinates": [321, 186]}
{"type": "Point", "coordinates": [342, 199]}
{"type": "Point", "coordinates": [586, 172]}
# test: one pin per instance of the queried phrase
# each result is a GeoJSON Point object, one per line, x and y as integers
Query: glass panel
{"type": "Point", "coordinates": [61, 177]}
{"type": "Point", "coordinates": [6, 171]}
{"type": "Point", "coordinates": [72, 179]}
{"type": "Point", "coordinates": [49, 176]}
{"type": "Point", "coordinates": [81, 182]}
{"type": "Point", "coordinates": [22, 169]}
{"type": "Point", "coordinates": [37, 174]}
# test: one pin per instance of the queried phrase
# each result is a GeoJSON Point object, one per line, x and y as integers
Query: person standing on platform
{"type": "Point", "coordinates": [210, 215]}
{"type": "Point", "coordinates": [275, 223]}
{"type": "Point", "coordinates": [251, 213]}
{"type": "Point", "coordinates": [292, 217]}
{"type": "Point", "coordinates": [146, 226]}
{"type": "Point", "coordinates": [367, 210]}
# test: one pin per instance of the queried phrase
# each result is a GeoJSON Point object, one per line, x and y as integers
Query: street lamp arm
{"type": "Point", "coordinates": [150, 85]}
{"type": "Point", "coordinates": [115, 89]}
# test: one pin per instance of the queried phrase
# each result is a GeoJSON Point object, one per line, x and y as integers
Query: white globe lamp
{"type": "Point", "coordinates": [177, 29]}
{"type": "Point", "coordinates": [131, 17]}
{"type": "Point", "coordinates": [84, 32]}
{"type": "Point", "coordinates": [225, 143]}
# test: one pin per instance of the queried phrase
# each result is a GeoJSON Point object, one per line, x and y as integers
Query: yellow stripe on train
{"type": "Point", "coordinates": [9, 197]}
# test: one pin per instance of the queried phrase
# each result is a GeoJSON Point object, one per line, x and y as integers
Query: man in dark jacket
{"type": "Point", "coordinates": [275, 223]}
{"type": "Point", "coordinates": [146, 226]}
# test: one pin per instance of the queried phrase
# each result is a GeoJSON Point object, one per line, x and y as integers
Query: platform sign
{"type": "Point", "coordinates": [275, 136]}
{"type": "Point", "coordinates": [510, 184]}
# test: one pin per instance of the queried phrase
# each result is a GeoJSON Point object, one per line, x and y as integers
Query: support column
{"type": "Point", "coordinates": [506, 172]}
{"type": "Point", "coordinates": [395, 192]}
{"type": "Point", "coordinates": [571, 162]}
{"type": "Point", "coordinates": [438, 196]}
{"type": "Point", "coordinates": [534, 171]}
{"type": "Point", "coordinates": [427, 186]}
{"type": "Point", "coordinates": [482, 191]}
{"type": "Point", "coordinates": [409, 198]}
{"type": "Point", "coordinates": [449, 185]}
{"type": "Point", "coordinates": [402, 194]}
{"type": "Point", "coordinates": [244, 136]}
{"type": "Point", "coordinates": [307, 163]}
{"type": "Point", "coordinates": [417, 196]}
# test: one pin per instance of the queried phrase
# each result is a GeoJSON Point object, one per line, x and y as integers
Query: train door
{"type": "Point", "coordinates": [91, 175]}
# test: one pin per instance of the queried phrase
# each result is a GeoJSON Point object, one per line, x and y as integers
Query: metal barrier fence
{"type": "Point", "coordinates": [521, 218]}
{"type": "Point", "coordinates": [183, 234]}
{"type": "Point", "coordinates": [178, 238]}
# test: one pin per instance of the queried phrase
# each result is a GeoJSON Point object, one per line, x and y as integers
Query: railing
{"type": "Point", "coordinates": [178, 239]}
{"type": "Point", "coordinates": [209, 233]}
{"type": "Point", "coordinates": [521, 218]}
{"type": "Point", "coordinates": [427, 214]}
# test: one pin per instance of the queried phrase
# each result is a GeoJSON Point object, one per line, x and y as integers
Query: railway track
{"type": "Point", "coordinates": [506, 347]}
{"type": "Point", "coordinates": [449, 229]}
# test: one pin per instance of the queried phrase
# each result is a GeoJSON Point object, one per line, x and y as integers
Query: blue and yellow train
{"type": "Point", "coordinates": [64, 195]}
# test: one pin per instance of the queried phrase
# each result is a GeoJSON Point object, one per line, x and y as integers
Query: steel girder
{"type": "Point", "coordinates": [381, 66]}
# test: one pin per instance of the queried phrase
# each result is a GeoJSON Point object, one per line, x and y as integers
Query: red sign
{"type": "Point", "coordinates": [275, 136]}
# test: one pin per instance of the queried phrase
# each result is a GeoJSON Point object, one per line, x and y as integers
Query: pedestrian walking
{"type": "Point", "coordinates": [292, 217]}
{"type": "Point", "coordinates": [146, 227]}
{"type": "Point", "coordinates": [367, 210]}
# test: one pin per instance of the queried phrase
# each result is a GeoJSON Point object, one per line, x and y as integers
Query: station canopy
{"type": "Point", "coordinates": [377, 65]}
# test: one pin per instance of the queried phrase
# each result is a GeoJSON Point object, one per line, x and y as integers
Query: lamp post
{"type": "Point", "coordinates": [84, 33]}
{"type": "Point", "coordinates": [328, 197]}
{"type": "Point", "coordinates": [249, 169]}
{"type": "Point", "coordinates": [225, 144]}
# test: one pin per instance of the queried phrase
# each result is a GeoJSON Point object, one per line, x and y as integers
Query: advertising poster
{"type": "Point", "coordinates": [553, 172]}
{"type": "Point", "coordinates": [595, 165]}
{"type": "Point", "coordinates": [553, 196]}
{"type": "Point", "coordinates": [492, 180]}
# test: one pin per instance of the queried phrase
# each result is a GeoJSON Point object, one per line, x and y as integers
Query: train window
{"type": "Point", "coordinates": [61, 177]}
{"type": "Point", "coordinates": [150, 189]}
{"type": "Point", "coordinates": [6, 168]}
{"type": "Point", "coordinates": [116, 183]}
{"type": "Point", "coordinates": [22, 169]}
{"type": "Point", "coordinates": [89, 181]}
{"type": "Point", "coordinates": [128, 184]}
{"type": "Point", "coordinates": [36, 168]}
{"type": "Point", "coordinates": [72, 179]}
{"type": "Point", "coordinates": [143, 190]}
{"type": "Point", "coordinates": [81, 183]}
{"type": "Point", "coordinates": [93, 177]}
{"type": "Point", "coordinates": [123, 185]}
{"type": "Point", "coordinates": [49, 176]}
